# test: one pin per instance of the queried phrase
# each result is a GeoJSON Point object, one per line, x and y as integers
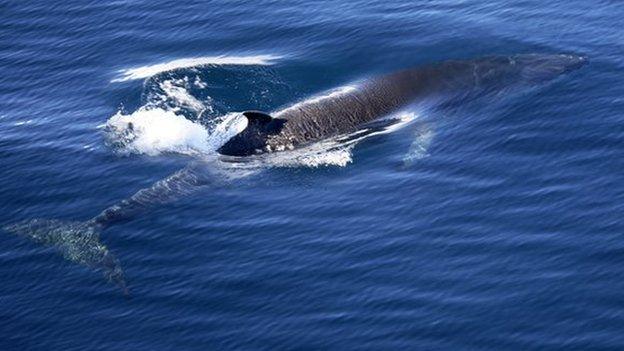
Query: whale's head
{"type": "Point", "coordinates": [253, 139]}
{"type": "Point", "coordinates": [543, 67]}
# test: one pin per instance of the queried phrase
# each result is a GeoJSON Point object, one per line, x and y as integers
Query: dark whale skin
{"type": "Point", "coordinates": [345, 111]}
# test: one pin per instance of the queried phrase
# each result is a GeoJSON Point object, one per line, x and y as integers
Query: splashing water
{"type": "Point", "coordinates": [175, 93]}
{"type": "Point", "coordinates": [153, 131]}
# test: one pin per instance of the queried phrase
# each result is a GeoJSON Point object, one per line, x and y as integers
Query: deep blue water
{"type": "Point", "coordinates": [495, 223]}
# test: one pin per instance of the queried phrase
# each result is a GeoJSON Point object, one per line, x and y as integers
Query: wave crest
{"type": "Point", "coordinates": [151, 70]}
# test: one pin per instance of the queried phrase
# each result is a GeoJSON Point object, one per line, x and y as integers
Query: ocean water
{"type": "Point", "coordinates": [490, 224]}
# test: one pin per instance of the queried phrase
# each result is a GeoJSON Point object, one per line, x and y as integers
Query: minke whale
{"type": "Point", "coordinates": [344, 113]}
{"type": "Point", "coordinates": [297, 125]}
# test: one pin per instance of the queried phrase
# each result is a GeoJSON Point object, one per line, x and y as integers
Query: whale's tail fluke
{"type": "Point", "coordinates": [78, 242]}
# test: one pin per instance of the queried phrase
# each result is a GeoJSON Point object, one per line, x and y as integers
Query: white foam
{"type": "Point", "coordinates": [225, 127]}
{"type": "Point", "coordinates": [340, 157]}
{"type": "Point", "coordinates": [148, 71]}
{"type": "Point", "coordinates": [155, 131]}
{"type": "Point", "coordinates": [324, 153]}
{"type": "Point", "coordinates": [180, 95]}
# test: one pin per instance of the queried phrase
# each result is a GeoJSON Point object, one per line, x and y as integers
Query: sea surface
{"type": "Point", "coordinates": [491, 224]}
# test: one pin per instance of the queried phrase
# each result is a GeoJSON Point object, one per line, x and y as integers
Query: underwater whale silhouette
{"type": "Point", "coordinates": [298, 125]}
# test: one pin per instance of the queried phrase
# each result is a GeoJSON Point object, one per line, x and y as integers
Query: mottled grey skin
{"type": "Point", "coordinates": [343, 113]}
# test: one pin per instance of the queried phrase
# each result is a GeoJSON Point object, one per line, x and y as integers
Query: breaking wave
{"type": "Point", "coordinates": [151, 70]}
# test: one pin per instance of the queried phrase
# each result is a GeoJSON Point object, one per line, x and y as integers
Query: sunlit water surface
{"type": "Point", "coordinates": [494, 223]}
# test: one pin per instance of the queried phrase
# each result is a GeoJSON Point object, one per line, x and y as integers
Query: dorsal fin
{"type": "Point", "coordinates": [258, 117]}
{"type": "Point", "coordinates": [264, 122]}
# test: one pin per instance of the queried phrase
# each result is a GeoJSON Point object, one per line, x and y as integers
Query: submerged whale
{"type": "Point", "coordinates": [343, 113]}
{"type": "Point", "coordinates": [300, 124]}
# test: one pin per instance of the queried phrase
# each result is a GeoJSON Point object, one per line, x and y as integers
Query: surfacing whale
{"type": "Point", "coordinates": [344, 112]}
{"type": "Point", "coordinates": [300, 124]}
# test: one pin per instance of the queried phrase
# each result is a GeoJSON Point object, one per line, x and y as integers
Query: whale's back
{"type": "Point", "coordinates": [343, 111]}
